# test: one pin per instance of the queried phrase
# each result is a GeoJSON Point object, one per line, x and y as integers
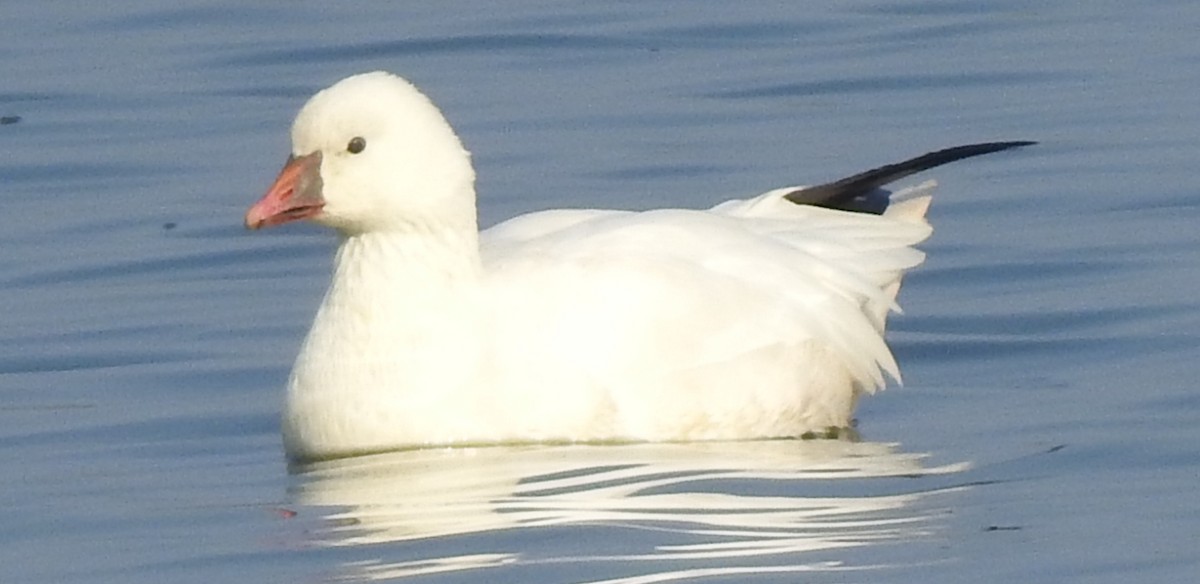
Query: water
{"type": "Point", "coordinates": [1048, 424]}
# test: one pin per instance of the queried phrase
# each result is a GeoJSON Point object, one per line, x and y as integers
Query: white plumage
{"type": "Point", "coordinates": [757, 318]}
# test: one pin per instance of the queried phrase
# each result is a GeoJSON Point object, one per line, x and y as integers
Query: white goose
{"type": "Point", "coordinates": [757, 318]}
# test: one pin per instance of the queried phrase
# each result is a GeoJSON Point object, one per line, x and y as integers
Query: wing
{"type": "Point", "coordinates": [861, 192]}
{"type": "Point", "coordinates": [673, 290]}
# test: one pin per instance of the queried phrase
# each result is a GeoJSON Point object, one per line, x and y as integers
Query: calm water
{"type": "Point", "coordinates": [1047, 430]}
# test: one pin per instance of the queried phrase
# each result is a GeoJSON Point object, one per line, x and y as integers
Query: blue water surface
{"type": "Point", "coordinates": [1047, 430]}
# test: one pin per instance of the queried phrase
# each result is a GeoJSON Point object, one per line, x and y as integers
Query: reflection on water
{"type": "Point", "coordinates": [708, 509]}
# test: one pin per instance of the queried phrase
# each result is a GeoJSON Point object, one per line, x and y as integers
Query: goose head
{"type": "Point", "coordinates": [371, 153]}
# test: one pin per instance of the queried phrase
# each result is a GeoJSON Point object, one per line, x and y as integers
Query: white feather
{"type": "Point", "coordinates": [756, 318]}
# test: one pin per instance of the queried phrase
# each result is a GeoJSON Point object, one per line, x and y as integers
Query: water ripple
{"type": "Point", "coordinates": [876, 84]}
{"type": "Point", "coordinates": [339, 53]}
{"type": "Point", "coordinates": [704, 503]}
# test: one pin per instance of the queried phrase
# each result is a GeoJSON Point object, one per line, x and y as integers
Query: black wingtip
{"type": "Point", "coordinates": [854, 193]}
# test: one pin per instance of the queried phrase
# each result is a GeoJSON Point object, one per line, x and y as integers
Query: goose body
{"type": "Point", "coordinates": [757, 318]}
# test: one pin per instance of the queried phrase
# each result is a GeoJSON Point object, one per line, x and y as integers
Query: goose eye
{"type": "Point", "coordinates": [356, 145]}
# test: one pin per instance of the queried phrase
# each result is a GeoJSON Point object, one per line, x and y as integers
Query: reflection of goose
{"type": "Point", "coordinates": [757, 318]}
{"type": "Point", "coordinates": [687, 495]}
